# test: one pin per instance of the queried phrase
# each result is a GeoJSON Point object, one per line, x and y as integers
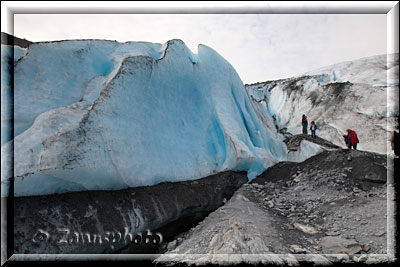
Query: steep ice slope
{"type": "Point", "coordinates": [55, 74]}
{"type": "Point", "coordinates": [361, 95]}
{"type": "Point", "coordinates": [99, 115]}
{"type": "Point", "coordinates": [9, 56]}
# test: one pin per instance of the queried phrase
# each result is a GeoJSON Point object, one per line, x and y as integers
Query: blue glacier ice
{"type": "Point", "coordinates": [360, 94]}
{"type": "Point", "coordinates": [9, 56]}
{"type": "Point", "coordinates": [103, 115]}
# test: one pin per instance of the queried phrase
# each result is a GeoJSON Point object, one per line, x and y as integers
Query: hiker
{"type": "Point", "coordinates": [395, 143]}
{"type": "Point", "coordinates": [352, 139]}
{"type": "Point", "coordinates": [304, 123]}
{"type": "Point", "coordinates": [313, 128]}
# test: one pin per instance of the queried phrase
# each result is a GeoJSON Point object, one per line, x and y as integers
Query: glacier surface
{"type": "Point", "coordinates": [361, 95]}
{"type": "Point", "coordinates": [101, 115]}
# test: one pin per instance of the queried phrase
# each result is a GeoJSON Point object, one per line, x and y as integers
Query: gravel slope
{"type": "Point", "coordinates": [330, 208]}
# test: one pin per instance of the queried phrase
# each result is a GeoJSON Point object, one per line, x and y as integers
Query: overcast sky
{"type": "Point", "coordinates": [259, 46]}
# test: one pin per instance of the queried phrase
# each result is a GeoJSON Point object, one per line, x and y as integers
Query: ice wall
{"type": "Point", "coordinates": [100, 115]}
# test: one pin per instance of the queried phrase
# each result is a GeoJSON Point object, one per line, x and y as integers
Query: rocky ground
{"type": "Point", "coordinates": [329, 208]}
{"type": "Point", "coordinates": [331, 204]}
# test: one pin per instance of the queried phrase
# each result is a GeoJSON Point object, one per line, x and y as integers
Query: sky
{"type": "Point", "coordinates": [260, 47]}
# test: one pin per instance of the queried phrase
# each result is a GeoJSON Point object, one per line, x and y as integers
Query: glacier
{"type": "Point", "coordinates": [103, 115]}
{"type": "Point", "coordinates": [9, 55]}
{"type": "Point", "coordinates": [361, 95]}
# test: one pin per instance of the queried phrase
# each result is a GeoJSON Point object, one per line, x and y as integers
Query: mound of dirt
{"type": "Point", "coordinates": [336, 193]}
{"type": "Point", "coordinates": [329, 208]}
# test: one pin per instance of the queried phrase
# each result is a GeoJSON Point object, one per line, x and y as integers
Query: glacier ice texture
{"type": "Point", "coordinates": [103, 115]}
{"type": "Point", "coordinates": [361, 95]}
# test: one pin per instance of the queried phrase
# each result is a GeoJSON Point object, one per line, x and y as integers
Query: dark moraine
{"type": "Point", "coordinates": [41, 223]}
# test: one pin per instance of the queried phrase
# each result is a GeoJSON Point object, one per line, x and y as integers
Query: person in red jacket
{"type": "Point", "coordinates": [352, 139]}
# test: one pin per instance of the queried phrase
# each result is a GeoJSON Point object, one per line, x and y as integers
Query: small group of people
{"type": "Point", "coordinates": [313, 127]}
{"type": "Point", "coordinates": [350, 138]}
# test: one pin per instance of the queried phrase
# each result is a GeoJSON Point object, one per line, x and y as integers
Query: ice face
{"type": "Point", "coordinates": [56, 74]}
{"type": "Point", "coordinates": [359, 95]}
{"type": "Point", "coordinates": [99, 115]}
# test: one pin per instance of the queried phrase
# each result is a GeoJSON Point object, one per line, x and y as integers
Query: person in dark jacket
{"type": "Point", "coordinates": [352, 139]}
{"type": "Point", "coordinates": [313, 128]}
{"type": "Point", "coordinates": [304, 123]}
